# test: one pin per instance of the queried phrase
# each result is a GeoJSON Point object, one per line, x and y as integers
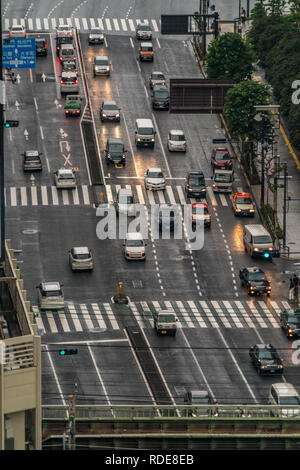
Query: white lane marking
{"type": "Point", "coordinates": [53, 22]}
{"type": "Point", "coordinates": [237, 366]}
{"type": "Point", "coordinates": [110, 316]}
{"type": "Point", "coordinates": [244, 313]}
{"type": "Point", "coordinates": [232, 314]}
{"type": "Point", "coordinates": [124, 26]}
{"type": "Point", "coordinates": [38, 23]}
{"type": "Point", "coordinates": [13, 196]}
{"type": "Point", "coordinates": [220, 314]}
{"type": "Point", "coordinates": [107, 21]}
{"type": "Point", "coordinates": [150, 197]}
{"type": "Point", "coordinates": [257, 316]}
{"type": "Point", "coordinates": [147, 310]}
{"type": "Point", "coordinates": [109, 195]}
{"type": "Point", "coordinates": [208, 313]}
{"type": "Point", "coordinates": [130, 145]}
{"type": "Point", "coordinates": [30, 24]}
{"type": "Point", "coordinates": [181, 195]}
{"type": "Point", "coordinates": [23, 196]}
{"type": "Point", "coordinates": [65, 196]}
{"type": "Point", "coordinates": [97, 366]}
{"type": "Point", "coordinates": [223, 200]}
{"type": "Point", "coordinates": [196, 314]}
{"type": "Point", "coordinates": [98, 316]}
{"type": "Point", "coordinates": [44, 195]}
{"type": "Point", "coordinates": [158, 43]}
{"type": "Point", "coordinates": [74, 317]}
{"type": "Point", "coordinates": [116, 24]}
{"type": "Point", "coordinates": [269, 315]}
{"type": "Point", "coordinates": [136, 314]}
{"type": "Point", "coordinates": [185, 314]}
{"type": "Point", "coordinates": [140, 194]}
{"type": "Point", "coordinates": [86, 316]}
{"type": "Point", "coordinates": [92, 21]}
{"type": "Point", "coordinates": [34, 199]}
{"type": "Point", "coordinates": [132, 45]}
{"type": "Point", "coordinates": [51, 322]}
{"type": "Point", "coordinates": [77, 23]}
{"type": "Point", "coordinates": [161, 197]}
{"type": "Point", "coordinates": [170, 194]}
{"type": "Point", "coordinates": [54, 373]}
{"type": "Point", "coordinates": [100, 23]}
{"type": "Point", "coordinates": [211, 196]}
{"type": "Point", "coordinates": [54, 196]}
{"type": "Point", "coordinates": [85, 193]}
{"type": "Point", "coordinates": [162, 147]}
{"type": "Point", "coordinates": [85, 23]}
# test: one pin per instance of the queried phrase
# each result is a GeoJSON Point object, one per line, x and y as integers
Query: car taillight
{"type": "Point", "coordinates": [62, 82]}
{"type": "Point", "coordinates": [67, 112]}
{"type": "Point", "coordinates": [75, 81]}
{"type": "Point", "coordinates": [77, 111]}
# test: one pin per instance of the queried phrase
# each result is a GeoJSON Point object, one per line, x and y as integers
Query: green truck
{"type": "Point", "coordinates": [165, 322]}
{"type": "Point", "coordinates": [73, 105]}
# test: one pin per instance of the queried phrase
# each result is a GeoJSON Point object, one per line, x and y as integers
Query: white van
{"type": "Point", "coordinates": [134, 246]}
{"type": "Point", "coordinates": [258, 242]}
{"type": "Point", "coordinates": [50, 296]}
{"type": "Point", "coordinates": [144, 133]}
{"type": "Point", "coordinates": [285, 394]}
{"type": "Point", "coordinates": [67, 52]}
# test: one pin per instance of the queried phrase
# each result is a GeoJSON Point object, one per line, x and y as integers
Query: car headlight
{"type": "Point", "coordinates": [280, 366]}
{"type": "Point", "coordinates": [270, 249]}
{"type": "Point", "coordinates": [238, 210]}
{"type": "Point", "coordinates": [104, 115]}
{"type": "Point", "coordinates": [107, 68]}
{"type": "Point", "coordinates": [139, 140]}
{"type": "Point", "coordinates": [117, 115]}
{"type": "Point", "coordinates": [214, 185]}
{"type": "Point", "coordinates": [255, 249]}
{"type": "Point", "coordinates": [153, 140]}
{"type": "Point", "coordinates": [252, 210]}
{"type": "Point", "coordinates": [101, 36]}
{"type": "Point", "coordinates": [108, 155]}
{"type": "Point", "coordinates": [262, 367]}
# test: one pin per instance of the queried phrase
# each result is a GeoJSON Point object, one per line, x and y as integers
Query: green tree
{"type": "Point", "coordinates": [229, 57]}
{"type": "Point", "coordinates": [275, 7]}
{"type": "Point", "coordinates": [293, 124]}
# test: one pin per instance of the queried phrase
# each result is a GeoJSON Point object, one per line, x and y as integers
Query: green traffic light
{"type": "Point", "coordinates": [62, 352]}
{"type": "Point", "coordinates": [266, 255]}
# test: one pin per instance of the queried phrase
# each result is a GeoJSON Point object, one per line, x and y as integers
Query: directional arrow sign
{"type": "Point", "coordinates": [26, 134]}
{"type": "Point", "coordinates": [20, 53]}
{"type": "Point", "coordinates": [18, 78]}
{"type": "Point", "coordinates": [44, 77]}
{"type": "Point", "coordinates": [32, 179]}
{"type": "Point", "coordinates": [17, 104]}
{"type": "Point", "coordinates": [62, 133]}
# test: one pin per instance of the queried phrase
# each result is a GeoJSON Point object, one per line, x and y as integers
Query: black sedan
{"type": "Point", "coordinates": [265, 359]}
{"type": "Point", "coordinates": [255, 281]}
{"type": "Point", "coordinates": [290, 322]}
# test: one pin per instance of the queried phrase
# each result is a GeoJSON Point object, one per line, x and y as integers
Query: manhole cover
{"type": "Point", "coordinates": [29, 231]}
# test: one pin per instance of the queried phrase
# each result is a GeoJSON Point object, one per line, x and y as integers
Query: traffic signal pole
{"type": "Point", "coordinates": [2, 99]}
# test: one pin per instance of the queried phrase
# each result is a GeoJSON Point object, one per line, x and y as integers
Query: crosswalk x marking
{"type": "Point", "coordinates": [190, 314]}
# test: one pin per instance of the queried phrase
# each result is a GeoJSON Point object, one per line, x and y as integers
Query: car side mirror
{"type": "Point", "coordinates": [146, 244]}
{"type": "Point", "coordinates": [135, 132]}
{"type": "Point", "coordinates": [62, 285]}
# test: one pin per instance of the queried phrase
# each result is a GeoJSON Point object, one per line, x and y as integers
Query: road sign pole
{"type": "Point", "coordinates": [2, 234]}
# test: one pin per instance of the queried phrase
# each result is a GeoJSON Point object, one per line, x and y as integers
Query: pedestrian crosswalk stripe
{"type": "Point", "coordinates": [223, 200]}
{"type": "Point", "coordinates": [85, 194]}
{"type": "Point", "coordinates": [136, 314]}
{"type": "Point", "coordinates": [275, 306]}
{"type": "Point", "coordinates": [108, 25]}
{"type": "Point", "coordinates": [208, 314]}
{"type": "Point", "coordinates": [244, 314]}
{"type": "Point", "coordinates": [92, 21]}
{"type": "Point", "coordinates": [155, 27]}
{"type": "Point", "coordinates": [98, 316]}
{"type": "Point", "coordinates": [170, 194]}
{"type": "Point", "coordinates": [181, 195]}
{"type": "Point", "coordinates": [147, 310]}
{"type": "Point", "coordinates": [131, 24]}
{"type": "Point", "coordinates": [110, 316]}
{"type": "Point", "coordinates": [188, 320]}
{"type": "Point", "coordinates": [69, 21]}
{"type": "Point", "coordinates": [123, 23]}
{"type": "Point", "coordinates": [140, 194]}
{"type": "Point", "coordinates": [232, 314]}
{"type": "Point", "coordinates": [100, 23]}
{"type": "Point", "coordinates": [74, 317]}
{"type": "Point", "coordinates": [286, 305]}
{"type": "Point", "coordinates": [64, 323]}
{"type": "Point", "coordinates": [65, 196]}
{"type": "Point", "coordinates": [256, 315]}
{"type": "Point", "coordinates": [220, 314]}
{"type": "Point", "coordinates": [34, 196]}
{"type": "Point", "coordinates": [196, 314]}
{"type": "Point", "coordinates": [61, 21]}
{"type": "Point", "coordinates": [54, 195]}
{"type": "Point", "coordinates": [86, 316]}
{"type": "Point", "coordinates": [151, 197]}
{"type": "Point", "coordinates": [75, 196]}
{"type": "Point", "coordinates": [109, 195]}
{"type": "Point", "coordinates": [38, 24]}
{"type": "Point", "coordinates": [85, 24]}
{"type": "Point", "coordinates": [46, 23]}
{"type": "Point", "coordinates": [23, 196]}
{"type": "Point", "coordinates": [161, 197]}
{"type": "Point", "coordinates": [274, 323]}
{"type": "Point", "coordinates": [77, 23]}
{"type": "Point", "coordinates": [53, 22]}
{"type": "Point", "coordinates": [52, 322]}
{"type": "Point", "coordinates": [13, 196]}
{"type": "Point", "coordinates": [48, 195]}
{"type": "Point", "coordinates": [116, 24]}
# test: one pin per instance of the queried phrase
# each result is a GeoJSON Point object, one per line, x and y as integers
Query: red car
{"type": "Point", "coordinates": [242, 204]}
{"type": "Point", "coordinates": [200, 212]}
{"type": "Point", "coordinates": [221, 158]}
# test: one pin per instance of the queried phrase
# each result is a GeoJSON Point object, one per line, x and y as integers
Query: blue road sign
{"type": "Point", "coordinates": [19, 53]}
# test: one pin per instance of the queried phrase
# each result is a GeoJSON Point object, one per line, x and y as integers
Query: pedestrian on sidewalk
{"type": "Point", "coordinates": [291, 290]}
{"type": "Point", "coordinates": [243, 15]}
{"type": "Point", "coordinates": [295, 282]}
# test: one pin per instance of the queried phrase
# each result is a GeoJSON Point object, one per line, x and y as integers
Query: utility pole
{"type": "Point", "coordinates": [2, 98]}
{"type": "Point", "coordinates": [71, 430]}
{"type": "Point", "coordinates": [284, 203]}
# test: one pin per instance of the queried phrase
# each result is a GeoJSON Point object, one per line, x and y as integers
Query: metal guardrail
{"type": "Point", "coordinates": [105, 412]}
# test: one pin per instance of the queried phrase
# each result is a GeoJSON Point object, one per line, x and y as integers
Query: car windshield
{"type": "Point", "coordinates": [67, 51]}
{"type": "Point", "coordinates": [125, 200]}
{"type": "Point", "coordinates": [116, 148]}
{"type": "Point", "coordinates": [39, 42]}
{"type": "Point", "coordinates": [82, 256]}
{"type": "Point", "coordinates": [66, 176]}
{"type": "Point", "coordinates": [51, 293]}
{"type": "Point", "coordinates": [32, 157]}
{"type": "Point", "coordinates": [223, 177]}
{"type": "Point", "coordinates": [294, 319]}
{"type": "Point", "coordinates": [262, 239]}
{"type": "Point", "coordinates": [101, 62]}
{"type": "Point", "coordinates": [266, 355]}
{"type": "Point", "coordinates": [157, 76]}
{"type": "Point", "coordinates": [17, 28]}
{"type": "Point", "coordinates": [145, 130]}
{"type": "Point", "coordinates": [196, 181]}
{"type": "Point", "coordinates": [289, 401]}
{"type": "Point", "coordinates": [146, 48]}
{"type": "Point", "coordinates": [162, 94]}
{"type": "Point", "coordinates": [243, 200]}
{"type": "Point", "coordinates": [199, 210]}
{"type": "Point", "coordinates": [135, 243]}
{"type": "Point", "coordinates": [155, 174]}
{"type": "Point", "coordinates": [165, 317]}
{"type": "Point", "coordinates": [144, 27]}
{"type": "Point", "coordinates": [178, 137]}
{"type": "Point", "coordinates": [257, 276]}
{"type": "Point", "coordinates": [110, 107]}
{"type": "Point", "coordinates": [69, 80]}
{"type": "Point", "coordinates": [222, 155]}
{"type": "Point", "coordinates": [96, 31]}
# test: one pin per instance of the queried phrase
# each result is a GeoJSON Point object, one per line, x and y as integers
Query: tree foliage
{"type": "Point", "coordinates": [239, 110]}
{"type": "Point", "coordinates": [229, 57]}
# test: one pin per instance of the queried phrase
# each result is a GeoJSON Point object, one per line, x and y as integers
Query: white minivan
{"type": "Point", "coordinates": [134, 246]}
{"type": "Point", "coordinates": [258, 242]}
{"type": "Point", "coordinates": [50, 295]}
{"type": "Point", "coordinates": [67, 52]}
{"type": "Point", "coordinates": [69, 83]}
{"type": "Point", "coordinates": [144, 133]}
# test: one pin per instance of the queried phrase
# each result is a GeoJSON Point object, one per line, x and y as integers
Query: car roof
{"type": "Point", "coordinates": [157, 71]}
{"type": "Point", "coordinates": [134, 236]}
{"type": "Point", "coordinates": [141, 122]}
{"type": "Point", "coordinates": [195, 173]}
{"type": "Point", "coordinates": [109, 102]}
{"type": "Point", "coordinates": [242, 195]}
{"type": "Point", "coordinates": [17, 26]}
{"type": "Point", "coordinates": [31, 153]}
{"type": "Point", "coordinates": [154, 169]}
{"type": "Point", "coordinates": [254, 269]}
{"type": "Point", "coordinates": [143, 24]}
{"type": "Point", "coordinates": [100, 57]}
{"type": "Point", "coordinates": [80, 250]}
{"type": "Point", "coordinates": [125, 191]}
{"type": "Point", "coordinates": [50, 285]}
{"type": "Point", "coordinates": [144, 44]}
{"type": "Point", "coordinates": [114, 140]}
{"type": "Point", "coordinates": [65, 170]}
{"type": "Point", "coordinates": [221, 149]}
{"type": "Point", "coordinates": [160, 87]}
{"type": "Point", "coordinates": [68, 73]}
{"type": "Point", "coordinates": [199, 204]}
{"type": "Point", "coordinates": [97, 28]}
{"type": "Point", "coordinates": [40, 39]}
{"type": "Point", "coordinates": [264, 346]}
{"type": "Point", "coordinates": [256, 229]}
{"type": "Point", "coordinates": [199, 393]}
{"type": "Point", "coordinates": [176, 132]}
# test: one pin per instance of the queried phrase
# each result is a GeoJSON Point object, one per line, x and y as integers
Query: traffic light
{"type": "Point", "coordinates": [266, 255]}
{"type": "Point", "coordinates": [11, 123]}
{"type": "Point", "coordinates": [67, 352]}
